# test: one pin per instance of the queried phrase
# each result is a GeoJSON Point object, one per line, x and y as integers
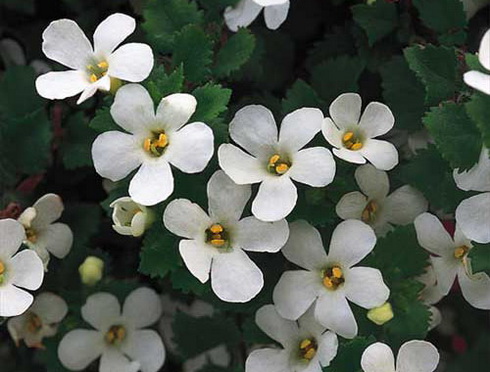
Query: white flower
{"type": "Point", "coordinates": [119, 338]}
{"type": "Point", "coordinates": [478, 177]}
{"type": "Point", "coordinates": [91, 270]}
{"type": "Point", "coordinates": [43, 235]}
{"type": "Point", "coordinates": [477, 79]}
{"type": "Point", "coordinates": [276, 159]}
{"type": "Point", "coordinates": [41, 320]}
{"type": "Point", "coordinates": [375, 207]}
{"type": "Point", "coordinates": [307, 346]}
{"type": "Point", "coordinates": [12, 53]}
{"type": "Point", "coordinates": [245, 12]}
{"type": "Point", "coordinates": [154, 142]}
{"type": "Point", "coordinates": [129, 217]}
{"type": "Point", "coordinates": [452, 260]}
{"type": "Point", "coordinates": [330, 280]}
{"type": "Point", "coordinates": [413, 356]}
{"type": "Point", "coordinates": [217, 242]}
{"type": "Point", "coordinates": [24, 269]}
{"type": "Point", "coordinates": [430, 295]}
{"type": "Point", "coordinates": [354, 138]}
{"type": "Point", "coordinates": [92, 68]}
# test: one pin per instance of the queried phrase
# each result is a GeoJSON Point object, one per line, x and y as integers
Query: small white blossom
{"type": "Point", "coordinates": [12, 53]}
{"type": "Point", "coordinates": [452, 260]}
{"type": "Point", "coordinates": [43, 234]}
{"type": "Point", "coordinates": [129, 217]}
{"type": "Point", "coordinates": [154, 141]}
{"type": "Point", "coordinates": [276, 159]}
{"type": "Point", "coordinates": [307, 346]}
{"type": "Point", "coordinates": [119, 338]}
{"type": "Point", "coordinates": [24, 269]}
{"type": "Point", "coordinates": [413, 356]}
{"type": "Point", "coordinates": [375, 207]}
{"type": "Point", "coordinates": [94, 68]}
{"type": "Point", "coordinates": [217, 242]}
{"type": "Point", "coordinates": [330, 280]}
{"type": "Point", "coordinates": [476, 79]}
{"type": "Point", "coordinates": [353, 135]}
{"type": "Point", "coordinates": [41, 320]}
{"type": "Point", "coordinates": [245, 12]}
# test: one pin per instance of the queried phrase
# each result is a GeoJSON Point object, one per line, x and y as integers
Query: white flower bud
{"type": "Point", "coordinates": [129, 217]}
{"type": "Point", "coordinates": [91, 270]}
{"type": "Point", "coordinates": [382, 314]}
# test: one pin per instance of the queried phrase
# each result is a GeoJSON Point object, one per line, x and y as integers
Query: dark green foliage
{"type": "Point", "coordinates": [378, 19]}
{"type": "Point", "coordinates": [480, 258]}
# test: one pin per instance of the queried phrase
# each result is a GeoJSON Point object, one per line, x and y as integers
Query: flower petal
{"type": "Point", "coordinates": [175, 110]}
{"type": "Point", "coordinates": [276, 199]}
{"type": "Point", "coordinates": [267, 3]}
{"type": "Point", "coordinates": [417, 356]}
{"type": "Point", "coordinates": [299, 127]}
{"type": "Point", "coordinates": [473, 215]}
{"type": "Point", "coordinates": [146, 348]}
{"type": "Point", "coordinates": [114, 360]}
{"type": "Point", "coordinates": [378, 357]}
{"type": "Point", "coordinates": [345, 110]}
{"type": "Point", "coordinates": [373, 182]}
{"type": "Point", "coordinates": [351, 205]}
{"type": "Point", "coordinates": [57, 239]}
{"type": "Point", "coordinates": [186, 219]}
{"type": "Point", "coordinates": [101, 310]}
{"type": "Point", "coordinates": [258, 236]}
{"type": "Point", "coordinates": [404, 205]}
{"type": "Point", "coordinates": [478, 80]}
{"type": "Point", "coordinates": [14, 301]}
{"type": "Point", "coordinates": [61, 84]}
{"type": "Point", "coordinates": [132, 62]}
{"type": "Point", "coordinates": [382, 154]}
{"type": "Point", "coordinates": [12, 234]}
{"type": "Point", "coordinates": [79, 348]}
{"type": "Point", "coordinates": [270, 360]}
{"type": "Point", "coordinates": [331, 133]}
{"type": "Point", "coordinates": [475, 288]}
{"type": "Point", "coordinates": [376, 120]}
{"type": "Point", "coordinates": [152, 183]}
{"type": "Point", "coordinates": [432, 235]}
{"type": "Point", "coordinates": [333, 312]}
{"type": "Point", "coordinates": [103, 84]}
{"type": "Point", "coordinates": [349, 155]}
{"type": "Point", "coordinates": [49, 307]}
{"type": "Point", "coordinates": [328, 345]}
{"type": "Point", "coordinates": [142, 307]}
{"type": "Point", "coordinates": [478, 177]}
{"type": "Point", "coordinates": [48, 208]}
{"type": "Point", "coordinates": [197, 257]}
{"type": "Point", "coordinates": [484, 50]}
{"type": "Point", "coordinates": [276, 327]}
{"type": "Point", "coordinates": [314, 166]}
{"type": "Point", "coordinates": [112, 31]}
{"type": "Point", "coordinates": [446, 270]}
{"type": "Point", "coordinates": [27, 270]}
{"type": "Point", "coordinates": [242, 14]}
{"type": "Point", "coordinates": [275, 15]}
{"type": "Point", "coordinates": [240, 166]}
{"type": "Point", "coordinates": [365, 287]}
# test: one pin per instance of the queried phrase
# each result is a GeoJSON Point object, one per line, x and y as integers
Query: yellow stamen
{"type": "Point", "coordinates": [461, 251]}
{"type": "Point", "coordinates": [282, 168]}
{"type": "Point", "coordinates": [274, 159]}
{"type": "Point", "coordinates": [307, 349]}
{"type": "Point", "coordinates": [31, 235]}
{"type": "Point", "coordinates": [278, 165]}
{"type": "Point", "coordinates": [218, 242]}
{"type": "Point", "coordinates": [34, 323]}
{"type": "Point", "coordinates": [356, 146]}
{"type": "Point", "coordinates": [115, 335]}
{"type": "Point", "coordinates": [337, 272]}
{"type": "Point", "coordinates": [2, 268]}
{"type": "Point", "coordinates": [156, 144]}
{"type": "Point", "coordinates": [351, 142]}
{"type": "Point", "coordinates": [93, 78]}
{"type": "Point", "coordinates": [332, 277]}
{"type": "Point", "coordinates": [327, 282]}
{"type": "Point", "coordinates": [147, 144]}
{"type": "Point", "coordinates": [369, 212]}
{"type": "Point", "coordinates": [304, 344]}
{"type": "Point", "coordinates": [347, 136]}
{"type": "Point", "coordinates": [103, 65]}
{"type": "Point", "coordinates": [216, 229]}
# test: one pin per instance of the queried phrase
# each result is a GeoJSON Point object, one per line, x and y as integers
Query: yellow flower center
{"type": "Point", "coordinates": [34, 323]}
{"type": "Point", "coordinates": [156, 145]}
{"type": "Point", "coordinates": [216, 236]}
{"type": "Point", "coordinates": [307, 349]}
{"type": "Point", "coordinates": [351, 141]}
{"type": "Point", "coordinates": [278, 165]}
{"type": "Point", "coordinates": [369, 213]}
{"type": "Point", "coordinates": [97, 71]}
{"type": "Point", "coordinates": [115, 335]}
{"type": "Point", "coordinates": [333, 277]}
{"type": "Point", "coordinates": [31, 234]}
{"type": "Point", "coordinates": [461, 251]}
{"type": "Point", "coordinates": [2, 272]}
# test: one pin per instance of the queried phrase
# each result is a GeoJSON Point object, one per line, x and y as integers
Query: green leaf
{"type": "Point", "coordinates": [160, 84]}
{"type": "Point", "coordinates": [437, 68]}
{"type": "Point", "coordinates": [378, 19]}
{"type": "Point", "coordinates": [185, 282]}
{"type": "Point", "coordinates": [455, 134]}
{"type": "Point", "coordinates": [478, 109]}
{"type": "Point", "coordinates": [24, 6]}
{"type": "Point", "coordinates": [83, 219]}
{"type": "Point", "coordinates": [480, 258]}
{"type": "Point", "coordinates": [103, 121]}
{"type": "Point", "coordinates": [235, 53]}
{"type": "Point", "coordinates": [77, 142]}
{"type": "Point", "coordinates": [212, 100]}
{"type": "Point", "coordinates": [300, 95]}
{"type": "Point", "coordinates": [252, 334]}
{"type": "Point", "coordinates": [349, 354]}
{"type": "Point", "coordinates": [473, 63]}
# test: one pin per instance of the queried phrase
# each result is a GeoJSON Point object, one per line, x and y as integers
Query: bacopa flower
{"type": "Point", "coordinates": [43, 234]}
{"type": "Point", "coordinates": [119, 338]}
{"type": "Point", "coordinates": [153, 143]}
{"type": "Point", "coordinates": [354, 139]}
{"type": "Point", "coordinates": [217, 242]}
{"type": "Point", "coordinates": [41, 320]}
{"type": "Point", "coordinates": [129, 217]}
{"type": "Point", "coordinates": [24, 269]}
{"type": "Point", "coordinates": [245, 12]}
{"type": "Point", "coordinates": [307, 346]}
{"type": "Point", "coordinates": [331, 280]}
{"type": "Point", "coordinates": [477, 79]}
{"type": "Point", "coordinates": [92, 68]}
{"type": "Point", "coordinates": [275, 160]}
{"type": "Point", "coordinates": [375, 207]}
{"type": "Point", "coordinates": [452, 260]}
{"type": "Point", "coordinates": [413, 356]}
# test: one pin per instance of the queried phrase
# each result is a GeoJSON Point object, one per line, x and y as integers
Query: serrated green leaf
{"type": "Point", "coordinates": [378, 19]}
{"type": "Point", "coordinates": [212, 100]}
{"type": "Point", "coordinates": [478, 109]}
{"type": "Point", "coordinates": [77, 142]}
{"type": "Point", "coordinates": [349, 354]}
{"type": "Point", "coordinates": [103, 121]}
{"type": "Point", "coordinates": [480, 258]}
{"type": "Point", "coordinates": [235, 53]}
{"type": "Point", "coordinates": [473, 63]}
{"type": "Point", "coordinates": [301, 94]}
{"type": "Point", "coordinates": [160, 84]}
{"type": "Point", "coordinates": [184, 281]}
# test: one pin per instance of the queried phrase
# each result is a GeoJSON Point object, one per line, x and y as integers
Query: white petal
{"type": "Point", "coordinates": [270, 360]}
{"type": "Point", "coordinates": [14, 301]}
{"type": "Point", "coordinates": [404, 205]}
{"type": "Point", "coordinates": [304, 246]}
{"type": "Point", "coordinates": [299, 128]}
{"type": "Point", "coordinates": [295, 292]}
{"type": "Point", "coordinates": [186, 219]}
{"type": "Point", "coordinates": [351, 206]}
{"type": "Point", "coordinates": [314, 166]}
{"type": "Point", "coordinates": [376, 120]}
{"type": "Point", "coordinates": [191, 148]}
{"type": "Point", "coordinates": [331, 133]}
{"type": "Point", "coordinates": [276, 327]}
{"type": "Point", "coordinates": [417, 356]}
{"type": "Point", "coordinates": [327, 348]}
{"type": "Point", "coordinates": [484, 50]}
{"type": "Point", "coordinates": [65, 42]}
{"type": "Point", "coordinates": [473, 216]}
{"type": "Point", "coordinates": [112, 31]}
{"type": "Point", "coordinates": [57, 239]}
{"type": "Point", "coordinates": [478, 177]}
{"type": "Point", "coordinates": [254, 129]}
{"type": "Point", "coordinates": [12, 234]}
{"type": "Point", "coordinates": [267, 3]}
{"type": "Point", "coordinates": [446, 270]}
{"type": "Point", "coordinates": [378, 357]}
{"type": "Point", "coordinates": [275, 15]}
{"type": "Point", "coordinates": [226, 199]}
{"type": "Point", "coordinates": [79, 348]}
{"type": "Point", "coordinates": [114, 360]}
{"type": "Point", "coordinates": [478, 80]}
{"type": "Point", "coordinates": [373, 182]}
{"type": "Point", "coordinates": [235, 277]}
{"type": "Point", "coordinates": [259, 236]}
{"type": "Point", "coordinates": [333, 312]}
{"type": "Point", "coordinates": [276, 199]}
{"type": "Point", "coordinates": [242, 15]}
{"type": "Point", "coordinates": [101, 310]}
{"type": "Point", "coordinates": [345, 110]}
{"type": "Point", "coordinates": [142, 307]}
{"type": "Point", "coordinates": [349, 155]}
{"type": "Point", "coordinates": [132, 62]}
{"type": "Point", "coordinates": [116, 154]}
{"type": "Point", "coordinates": [103, 84]}
{"type": "Point", "coordinates": [48, 208]}
{"type": "Point", "coordinates": [364, 286]}
{"type": "Point", "coordinates": [146, 348]}
{"type": "Point", "coordinates": [240, 166]}
{"type": "Point", "coordinates": [40, 67]}
{"type": "Point", "coordinates": [351, 241]}
{"type": "Point", "coordinates": [382, 154]}
{"type": "Point", "coordinates": [49, 307]}
{"type": "Point", "coordinates": [475, 289]}
{"type": "Point", "coordinates": [61, 84]}
{"type": "Point", "coordinates": [197, 257]}
{"type": "Point", "coordinates": [175, 110]}
{"type": "Point", "coordinates": [432, 235]}
{"type": "Point", "coordinates": [27, 270]}
{"type": "Point", "coordinates": [152, 183]}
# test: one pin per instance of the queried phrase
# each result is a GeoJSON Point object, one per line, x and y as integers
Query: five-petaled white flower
{"type": "Point", "coordinates": [375, 207]}
{"type": "Point", "coordinates": [41, 320]}
{"type": "Point", "coordinates": [155, 141]}
{"type": "Point", "coordinates": [275, 160]}
{"type": "Point", "coordinates": [354, 138]}
{"type": "Point", "coordinates": [119, 338]}
{"type": "Point", "coordinates": [43, 234]}
{"type": "Point", "coordinates": [452, 260]}
{"type": "Point", "coordinates": [245, 12]}
{"type": "Point", "coordinates": [413, 356]}
{"type": "Point", "coordinates": [24, 269]}
{"type": "Point", "coordinates": [330, 280]}
{"type": "Point", "coordinates": [477, 79]}
{"type": "Point", "coordinates": [217, 242]}
{"type": "Point", "coordinates": [307, 346]}
{"type": "Point", "coordinates": [92, 68]}
{"type": "Point", "coordinates": [129, 217]}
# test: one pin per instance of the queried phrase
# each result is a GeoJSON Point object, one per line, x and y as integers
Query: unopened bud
{"type": "Point", "coordinates": [91, 270]}
{"type": "Point", "coordinates": [382, 314]}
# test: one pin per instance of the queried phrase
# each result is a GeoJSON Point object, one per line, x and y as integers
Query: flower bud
{"type": "Point", "coordinates": [382, 314]}
{"type": "Point", "coordinates": [130, 218]}
{"type": "Point", "coordinates": [91, 270]}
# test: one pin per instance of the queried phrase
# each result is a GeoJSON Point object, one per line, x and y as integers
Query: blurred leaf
{"type": "Point", "coordinates": [103, 121]}
{"type": "Point", "coordinates": [480, 258]}
{"type": "Point", "coordinates": [184, 281]}
{"type": "Point", "coordinates": [234, 53]}
{"type": "Point", "coordinates": [212, 100]}
{"type": "Point", "coordinates": [77, 142]}
{"type": "Point", "coordinates": [24, 6]}
{"type": "Point", "coordinates": [300, 95]}
{"type": "Point", "coordinates": [378, 19]}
